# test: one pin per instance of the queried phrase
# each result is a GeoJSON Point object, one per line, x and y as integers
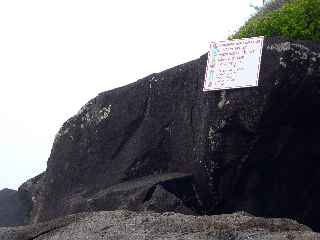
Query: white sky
{"type": "Point", "coordinates": [57, 55]}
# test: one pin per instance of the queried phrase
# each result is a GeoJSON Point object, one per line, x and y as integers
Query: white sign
{"type": "Point", "coordinates": [233, 64]}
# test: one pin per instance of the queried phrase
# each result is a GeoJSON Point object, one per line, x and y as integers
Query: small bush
{"type": "Point", "coordinates": [296, 19]}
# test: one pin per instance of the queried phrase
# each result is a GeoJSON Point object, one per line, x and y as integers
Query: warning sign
{"type": "Point", "coordinates": [233, 64]}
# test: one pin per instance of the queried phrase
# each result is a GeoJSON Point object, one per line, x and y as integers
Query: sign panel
{"type": "Point", "coordinates": [233, 64]}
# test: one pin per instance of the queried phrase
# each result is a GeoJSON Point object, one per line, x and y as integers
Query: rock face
{"type": "Point", "coordinates": [127, 225]}
{"type": "Point", "coordinates": [14, 210]}
{"type": "Point", "coordinates": [252, 149]}
{"type": "Point", "coordinates": [30, 192]}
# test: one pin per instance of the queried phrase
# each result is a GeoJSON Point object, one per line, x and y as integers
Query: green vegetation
{"type": "Point", "coordinates": [295, 19]}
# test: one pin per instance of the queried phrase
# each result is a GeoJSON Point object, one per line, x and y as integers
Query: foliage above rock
{"type": "Point", "coordinates": [296, 19]}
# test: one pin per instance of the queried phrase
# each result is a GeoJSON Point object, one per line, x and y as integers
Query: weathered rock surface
{"type": "Point", "coordinates": [252, 149]}
{"type": "Point", "coordinates": [127, 225]}
{"type": "Point", "coordinates": [13, 209]}
{"type": "Point", "coordinates": [30, 193]}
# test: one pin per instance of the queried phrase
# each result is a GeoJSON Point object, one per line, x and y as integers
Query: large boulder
{"type": "Point", "coordinates": [254, 149]}
{"type": "Point", "coordinates": [126, 225]}
{"type": "Point", "coordinates": [14, 210]}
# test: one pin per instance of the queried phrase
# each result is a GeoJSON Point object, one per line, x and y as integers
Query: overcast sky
{"type": "Point", "coordinates": [57, 55]}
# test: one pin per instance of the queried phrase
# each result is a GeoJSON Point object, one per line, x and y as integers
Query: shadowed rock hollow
{"type": "Point", "coordinates": [252, 149]}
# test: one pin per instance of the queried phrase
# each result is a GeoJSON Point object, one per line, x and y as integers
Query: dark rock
{"type": "Point", "coordinates": [13, 210]}
{"type": "Point", "coordinates": [29, 192]}
{"type": "Point", "coordinates": [253, 149]}
{"type": "Point", "coordinates": [164, 201]}
{"type": "Point", "coordinates": [137, 195]}
{"type": "Point", "coordinates": [127, 225]}
{"type": "Point", "coordinates": [140, 193]}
